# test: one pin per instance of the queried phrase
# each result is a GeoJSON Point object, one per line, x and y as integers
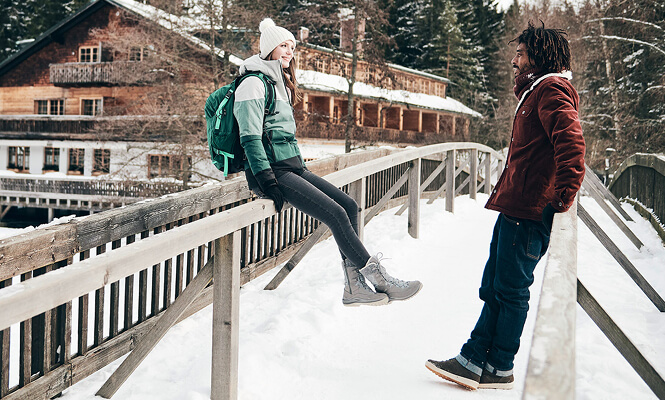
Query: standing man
{"type": "Point", "coordinates": [544, 170]}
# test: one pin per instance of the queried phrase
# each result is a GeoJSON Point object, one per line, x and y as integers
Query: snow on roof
{"type": "Point", "coordinates": [332, 83]}
{"type": "Point", "coordinates": [182, 25]}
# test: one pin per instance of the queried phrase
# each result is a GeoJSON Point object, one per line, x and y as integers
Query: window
{"type": "Point", "coordinates": [76, 160]}
{"type": "Point", "coordinates": [50, 107]}
{"type": "Point", "coordinates": [51, 159]}
{"type": "Point", "coordinates": [102, 161]}
{"type": "Point", "coordinates": [91, 107]}
{"type": "Point", "coordinates": [162, 165]}
{"type": "Point", "coordinates": [88, 54]}
{"type": "Point", "coordinates": [41, 107]}
{"type": "Point", "coordinates": [19, 158]}
{"type": "Point", "coordinates": [138, 53]}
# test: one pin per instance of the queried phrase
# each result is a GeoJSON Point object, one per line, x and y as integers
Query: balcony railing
{"type": "Point", "coordinates": [106, 73]}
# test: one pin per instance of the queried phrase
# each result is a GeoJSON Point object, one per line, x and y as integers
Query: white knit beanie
{"type": "Point", "coordinates": [271, 37]}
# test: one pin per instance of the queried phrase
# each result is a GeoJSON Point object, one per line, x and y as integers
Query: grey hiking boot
{"type": "Point", "coordinates": [396, 289]}
{"type": "Point", "coordinates": [356, 291]}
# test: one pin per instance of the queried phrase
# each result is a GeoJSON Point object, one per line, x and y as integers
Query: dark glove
{"type": "Point", "coordinates": [276, 195]}
{"type": "Point", "coordinates": [548, 215]}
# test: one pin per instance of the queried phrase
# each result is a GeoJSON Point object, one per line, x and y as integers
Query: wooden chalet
{"type": "Point", "coordinates": [61, 93]}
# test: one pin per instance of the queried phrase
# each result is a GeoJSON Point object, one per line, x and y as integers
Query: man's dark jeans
{"type": "Point", "coordinates": [517, 246]}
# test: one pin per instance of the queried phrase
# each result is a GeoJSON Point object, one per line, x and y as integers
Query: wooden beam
{"type": "Point", "coordinates": [621, 342]}
{"type": "Point", "coordinates": [148, 342]}
{"type": "Point", "coordinates": [450, 180]}
{"type": "Point", "coordinates": [593, 178]}
{"type": "Point", "coordinates": [551, 369]}
{"type": "Point", "coordinates": [426, 183]}
{"type": "Point", "coordinates": [643, 284]}
{"type": "Point", "coordinates": [226, 318]}
{"type": "Point", "coordinates": [300, 254]}
{"type": "Point", "coordinates": [473, 172]}
{"type": "Point", "coordinates": [4, 212]}
{"type": "Point", "coordinates": [414, 199]}
{"type": "Point", "coordinates": [598, 197]}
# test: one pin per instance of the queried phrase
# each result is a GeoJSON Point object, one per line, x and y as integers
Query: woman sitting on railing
{"type": "Point", "coordinates": [274, 169]}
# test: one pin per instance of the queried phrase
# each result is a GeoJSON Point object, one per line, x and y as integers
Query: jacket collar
{"type": "Point", "coordinates": [528, 88]}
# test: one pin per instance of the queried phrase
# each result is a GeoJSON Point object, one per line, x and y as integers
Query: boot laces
{"type": "Point", "coordinates": [391, 280]}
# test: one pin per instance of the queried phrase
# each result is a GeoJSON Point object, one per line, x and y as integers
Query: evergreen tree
{"type": "Point", "coordinates": [24, 20]}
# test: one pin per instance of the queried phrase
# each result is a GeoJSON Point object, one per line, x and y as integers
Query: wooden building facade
{"type": "Point", "coordinates": [69, 85]}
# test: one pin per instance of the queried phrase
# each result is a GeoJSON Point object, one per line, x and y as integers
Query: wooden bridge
{"type": "Point", "coordinates": [63, 193]}
{"type": "Point", "coordinates": [159, 257]}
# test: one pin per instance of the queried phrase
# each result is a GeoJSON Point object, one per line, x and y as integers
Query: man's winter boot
{"type": "Point", "coordinates": [396, 289]}
{"type": "Point", "coordinates": [356, 291]}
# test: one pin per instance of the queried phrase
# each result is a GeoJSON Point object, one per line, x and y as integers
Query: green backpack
{"type": "Point", "coordinates": [222, 127]}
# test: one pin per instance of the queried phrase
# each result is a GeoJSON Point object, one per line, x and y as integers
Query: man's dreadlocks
{"type": "Point", "coordinates": [548, 48]}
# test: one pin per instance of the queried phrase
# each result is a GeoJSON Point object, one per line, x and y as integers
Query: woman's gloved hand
{"type": "Point", "coordinates": [275, 195]}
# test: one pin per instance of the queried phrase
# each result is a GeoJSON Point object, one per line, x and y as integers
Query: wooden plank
{"type": "Point", "coordinates": [473, 173]}
{"type": "Point", "coordinates": [426, 183]}
{"type": "Point", "coordinates": [155, 284]}
{"type": "Point", "coordinates": [642, 283]}
{"type": "Point", "coordinates": [450, 181]}
{"type": "Point", "coordinates": [621, 342]}
{"type": "Point", "coordinates": [293, 262]}
{"type": "Point", "coordinates": [225, 319]}
{"type": "Point", "coordinates": [487, 183]}
{"type": "Point", "coordinates": [551, 368]}
{"type": "Point", "coordinates": [597, 196]}
{"type": "Point", "coordinates": [149, 341]}
{"type": "Point", "coordinates": [114, 301]}
{"type": "Point", "coordinates": [4, 352]}
{"type": "Point", "coordinates": [358, 192]}
{"type": "Point", "coordinates": [25, 345]}
{"type": "Point", "coordinates": [595, 181]}
{"type": "Point", "coordinates": [99, 308]}
{"type": "Point", "coordinates": [414, 199]}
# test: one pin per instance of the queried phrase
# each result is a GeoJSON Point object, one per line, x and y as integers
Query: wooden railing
{"type": "Point", "coordinates": [163, 250]}
{"type": "Point", "coordinates": [641, 180]}
{"type": "Point", "coordinates": [551, 369]}
{"type": "Point", "coordinates": [112, 73]}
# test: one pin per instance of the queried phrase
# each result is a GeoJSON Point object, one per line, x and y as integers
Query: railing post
{"type": "Point", "coordinates": [487, 188]}
{"type": "Point", "coordinates": [450, 180]}
{"type": "Point", "coordinates": [414, 198]}
{"type": "Point", "coordinates": [357, 191]}
{"type": "Point", "coordinates": [225, 318]}
{"type": "Point", "coordinates": [473, 173]}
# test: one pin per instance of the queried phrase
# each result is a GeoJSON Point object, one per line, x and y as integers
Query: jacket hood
{"type": "Point", "coordinates": [272, 68]}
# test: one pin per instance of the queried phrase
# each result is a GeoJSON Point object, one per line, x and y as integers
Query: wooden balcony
{"type": "Point", "coordinates": [102, 73]}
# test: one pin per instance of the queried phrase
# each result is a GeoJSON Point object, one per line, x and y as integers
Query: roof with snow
{"type": "Point", "coordinates": [336, 84]}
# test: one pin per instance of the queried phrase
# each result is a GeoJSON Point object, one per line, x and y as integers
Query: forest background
{"type": "Point", "coordinates": [618, 53]}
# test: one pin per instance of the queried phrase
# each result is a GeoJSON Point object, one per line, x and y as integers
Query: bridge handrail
{"type": "Point", "coordinates": [52, 280]}
{"type": "Point", "coordinates": [551, 367]}
{"type": "Point", "coordinates": [18, 301]}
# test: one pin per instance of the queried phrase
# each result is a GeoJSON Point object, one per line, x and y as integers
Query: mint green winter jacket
{"type": "Point", "coordinates": [279, 151]}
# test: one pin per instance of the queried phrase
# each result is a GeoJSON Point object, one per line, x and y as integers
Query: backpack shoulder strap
{"type": "Point", "coordinates": [269, 85]}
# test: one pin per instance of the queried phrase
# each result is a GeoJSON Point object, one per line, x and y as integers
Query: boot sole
{"type": "Point", "coordinates": [504, 386]}
{"type": "Point", "coordinates": [469, 384]}
{"type": "Point", "coordinates": [381, 302]}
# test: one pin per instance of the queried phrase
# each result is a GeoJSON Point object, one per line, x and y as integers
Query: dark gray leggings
{"type": "Point", "coordinates": [320, 199]}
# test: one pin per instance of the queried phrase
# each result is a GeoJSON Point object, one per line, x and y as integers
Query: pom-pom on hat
{"type": "Point", "coordinates": [271, 37]}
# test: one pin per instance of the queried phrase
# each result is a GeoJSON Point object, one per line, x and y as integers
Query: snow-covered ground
{"type": "Point", "coordinates": [299, 342]}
